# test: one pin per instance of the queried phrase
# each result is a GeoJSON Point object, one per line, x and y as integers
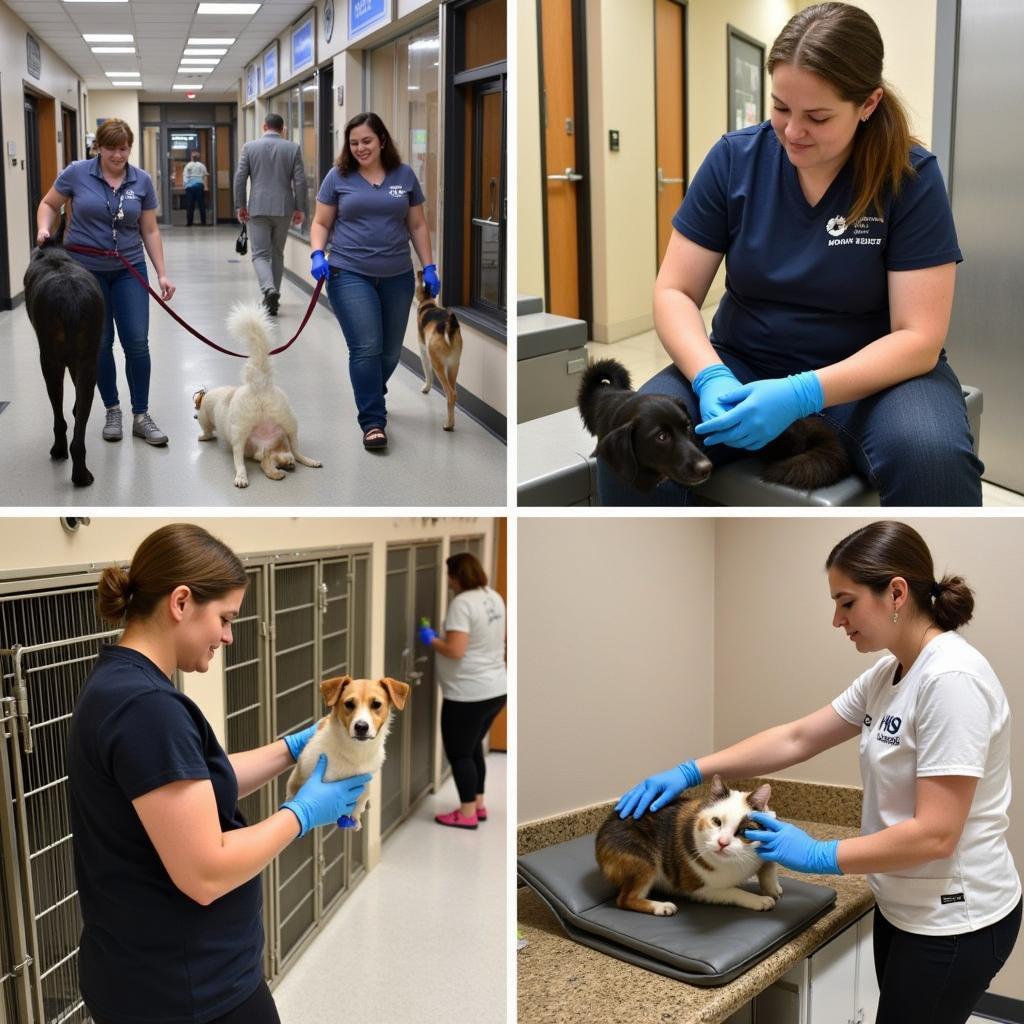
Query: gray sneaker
{"type": "Point", "coordinates": [144, 427]}
{"type": "Point", "coordinates": [112, 428]}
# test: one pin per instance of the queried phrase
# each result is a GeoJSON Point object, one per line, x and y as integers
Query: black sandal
{"type": "Point", "coordinates": [375, 439]}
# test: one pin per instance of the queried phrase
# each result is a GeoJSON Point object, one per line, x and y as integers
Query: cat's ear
{"type": "Point", "coordinates": [760, 797]}
{"type": "Point", "coordinates": [719, 790]}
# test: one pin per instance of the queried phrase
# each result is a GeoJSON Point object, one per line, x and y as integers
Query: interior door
{"type": "Point", "coordinates": [423, 703]}
{"type": "Point", "coordinates": [179, 145]}
{"type": "Point", "coordinates": [670, 78]}
{"type": "Point", "coordinates": [35, 195]}
{"type": "Point", "coordinates": [397, 656]}
{"type": "Point", "coordinates": [562, 177]}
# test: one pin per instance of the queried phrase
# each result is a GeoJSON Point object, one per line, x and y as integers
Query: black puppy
{"type": "Point", "coordinates": [644, 438]}
{"type": "Point", "coordinates": [65, 306]}
{"type": "Point", "coordinates": [635, 433]}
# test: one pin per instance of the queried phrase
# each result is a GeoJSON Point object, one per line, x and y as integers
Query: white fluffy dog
{"type": "Point", "coordinates": [255, 419]}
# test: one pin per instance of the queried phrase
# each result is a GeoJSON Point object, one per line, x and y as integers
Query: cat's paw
{"type": "Point", "coordinates": [764, 903]}
{"type": "Point", "coordinates": [664, 909]}
{"type": "Point", "coordinates": [774, 890]}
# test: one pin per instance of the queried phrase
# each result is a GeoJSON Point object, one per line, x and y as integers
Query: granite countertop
{"type": "Point", "coordinates": [563, 982]}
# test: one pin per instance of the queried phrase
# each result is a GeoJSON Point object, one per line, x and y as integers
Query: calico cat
{"type": "Point", "coordinates": [692, 847]}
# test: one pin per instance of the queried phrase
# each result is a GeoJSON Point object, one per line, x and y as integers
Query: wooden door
{"type": "Point", "coordinates": [670, 78]}
{"type": "Point", "coordinates": [562, 178]}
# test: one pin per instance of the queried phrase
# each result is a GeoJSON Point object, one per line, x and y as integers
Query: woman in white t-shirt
{"type": "Point", "coordinates": [471, 668]}
{"type": "Point", "coordinates": [934, 729]}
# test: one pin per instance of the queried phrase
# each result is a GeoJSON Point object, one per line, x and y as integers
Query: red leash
{"type": "Point", "coordinates": [88, 250]}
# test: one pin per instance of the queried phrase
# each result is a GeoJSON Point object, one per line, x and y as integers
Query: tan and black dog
{"type": "Point", "coordinates": [440, 345]}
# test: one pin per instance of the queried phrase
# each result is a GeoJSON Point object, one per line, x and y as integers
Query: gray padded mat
{"type": "Point", "coordinates": [702, 944]}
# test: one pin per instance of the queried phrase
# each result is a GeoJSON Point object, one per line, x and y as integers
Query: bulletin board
{"type": "Point", "coordinates": [745, 80]}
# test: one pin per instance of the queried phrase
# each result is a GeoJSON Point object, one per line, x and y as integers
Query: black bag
{"type": "Point", "coordinates": [242, 241]}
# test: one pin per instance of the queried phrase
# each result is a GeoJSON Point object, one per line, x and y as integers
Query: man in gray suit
{"type": "Point", "coordinates": [277, 197]}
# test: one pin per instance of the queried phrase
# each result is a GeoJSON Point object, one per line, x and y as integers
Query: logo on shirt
{"type": "Point", "coordinates": [130, 194]}
{"type": "Point", "coordinates": [867, 721]}
{"type": "Point", "coordinates": [396, 191]}
{"type": "Point", "coordinates": [887, 729]}
{"type": "Point", "coordinates": [859, 235]}
{"type": "Point", "coordinates": [956, 897]}
{"type": "Point", "coordinates": [836, 226]}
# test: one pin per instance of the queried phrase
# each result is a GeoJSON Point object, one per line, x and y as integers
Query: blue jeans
{"type": "Point", "coordinates": [373, 313]}
{"type": "Point", "coordinates": [127, 303]}
{"type": "Point", "coordinates": [911, 442]}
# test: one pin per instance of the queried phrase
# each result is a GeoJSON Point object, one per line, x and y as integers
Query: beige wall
{"type": "Point", "coordinates": [631, 630]}
{"type": "Point", "coordinates": [621, 95]}
{"type": "Point", "coordinates": [56, 80]}
{"type": "Point", "coordinates": [593, 716]}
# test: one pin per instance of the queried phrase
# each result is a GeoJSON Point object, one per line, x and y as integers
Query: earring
{"type": "Point", "coordinates": [895, 616]}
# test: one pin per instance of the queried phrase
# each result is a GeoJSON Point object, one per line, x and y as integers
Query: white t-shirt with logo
{"type": "Point", "coordinates": [480, 673]}
{"type": "Point", "coordinates": [947, 716]}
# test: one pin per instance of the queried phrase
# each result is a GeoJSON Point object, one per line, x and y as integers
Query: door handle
{"type": "Point", "coordinates": [569, 175]}
{"type": "Point", "coordinates": [415, 677]}
{"type": "Point", "coordinates": [663, 181]}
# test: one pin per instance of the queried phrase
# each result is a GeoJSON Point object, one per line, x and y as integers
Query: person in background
{"type": "Point", "coordinates": [277, 199]}
{"type": "Point", "coordinates": [194, 179]}
{"type": "Point", "coordinates": [112, 206]}
{"type": "Point", "coordinates": [471, 669]}
{"type": "Point", "coordinates": [167, 869]}
{"type": "Point", "coordinates": [933, 725]}
{"type": "Point", "coordinates": [370, 205]}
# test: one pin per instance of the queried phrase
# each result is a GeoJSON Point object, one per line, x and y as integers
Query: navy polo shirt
{"type": "Point", "coordinates": [803, 288]}
{"type": "Point", "coordinates": [149, 954]}
{"type": "Point", "coordinates": [94, 211]}
{"type": "Point", "coordinates": [370, 233]}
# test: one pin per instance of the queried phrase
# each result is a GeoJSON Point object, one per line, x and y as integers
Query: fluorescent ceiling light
{"type": "Point", "coordinates": [95, 1]}
{"type": "Point", "coordinates": [112, 49]}
{"type": "Point", "coordinates": [194, 71]}
{"type": "Point", "coordinates": [186, 88]}
{"type": "Point", "coordinates": [131, 85]}
{"type": "Point", "coordinates": [123, 74]}
{"type": "Point", "coordinates": [425, 44]}
{"type": "Point", "coordinates": [208, 61]}
{"type": "Point", "coordinates": [210, 42]}
{"type": "Point", "coordinates": [228, 8]}
{"type": "Point", "coordinates": [93, 37]}
{"type": "Point", "coordinates": [205, 53]}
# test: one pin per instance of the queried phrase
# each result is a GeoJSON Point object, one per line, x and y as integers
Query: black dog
{"type": "Point", "coordinates": [65, 306]}
{"type": "Point", "coordinates": [644, 438]}
{"type": "Point", "coordinates": [649, 438]}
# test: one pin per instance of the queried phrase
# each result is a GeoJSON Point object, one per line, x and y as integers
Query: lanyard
{"type": "Point", "coordinates": [115, 217]}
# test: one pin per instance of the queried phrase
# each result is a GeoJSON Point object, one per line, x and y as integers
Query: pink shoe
{"type": "Point", "coordinates": [456, 819]}
{"type": "Point", "coordinates": [481, 814]}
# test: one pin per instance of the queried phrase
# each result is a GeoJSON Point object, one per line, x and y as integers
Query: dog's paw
{"type": "Point", "coordinates": [207, 437]}
{"type": "Point", "coordinates": [425, 390]}
{"type": "Point", "coordinates": [664, 909]}
{"type": "Point", "coordinates": [315, 464]}
{"type": "Point", "coordinates": [82, 477]}
{"type": "Point", "coordinates": [241, 480]}
{"type": "Point", "coordinates": [275, 474]}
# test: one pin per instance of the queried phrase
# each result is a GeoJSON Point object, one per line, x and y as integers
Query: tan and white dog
{"type": "Point", "coordinates": [440, 346]}
{"type": "Point", "coordinates": [352, 733]}
{"type": "Point", "coordinates": [254, 419]}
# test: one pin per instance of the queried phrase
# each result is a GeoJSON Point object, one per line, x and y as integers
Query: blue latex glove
{"type": "Point", "coordinates": [297, 740]}
{"type": "Point", "coordinates": [320, 268]}
{"type": "Point", "coordinates": [709, 385]}
{"type": "Point", "coordinates": [792, 847]}
{"type": "Point", "coordinates": [660, 788]}
{"type": "Point", "coordinates": [323, 803]}
{"type": "Point", "coordinates": [427, 635]}
{"type": "Point", "coordinates": [762, 410]}
{"type": "Point", "coordinates": [431, 280]}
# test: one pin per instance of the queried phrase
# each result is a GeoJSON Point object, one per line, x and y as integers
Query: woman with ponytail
{"type": "Point", "coordinates": [166, 867]}
{"type": "Point", "coordinates": [841, 253]}
{"type": "Point", "coordinates": [934, 730]}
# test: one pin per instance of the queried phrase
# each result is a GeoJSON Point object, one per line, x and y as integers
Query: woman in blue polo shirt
{"type": "Point", "coordinates": [374, 204]}
{"type": "Point", "coordinates": [167, 869]}
{"type": "Point", "coordinates": [114, 207]}
{"type": "Point", "coordinates": [840, 255]}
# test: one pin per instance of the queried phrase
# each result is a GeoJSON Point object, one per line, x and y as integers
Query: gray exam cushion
{"type": "Point", "coordinates": [703, 944]}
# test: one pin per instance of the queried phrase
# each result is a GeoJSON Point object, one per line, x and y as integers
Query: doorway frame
{"type": "Point", "coordinates": [211, 192]}
{"type": "Point", "coordinates": [582, 153]}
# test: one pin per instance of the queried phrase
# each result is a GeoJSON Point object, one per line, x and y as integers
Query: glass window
{"type": "Point", "coordinates": [403, 91]}
{"type": "Point", "coordinates": [297, 106]}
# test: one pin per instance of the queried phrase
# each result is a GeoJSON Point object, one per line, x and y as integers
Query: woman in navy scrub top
{"type": "Point", "coordinates": [167, 868]}
{"type": "Point", "coordinates": [371, 205]}
{"type": "Point", "coordinates": [840, 255]}
{"type": "Point", "coordinates": [114, 207]}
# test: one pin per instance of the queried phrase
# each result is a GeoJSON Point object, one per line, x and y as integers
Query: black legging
{"type": "Point", "coordinates": [259, 1008]}
{"type": "Point", "coordinates": [464, 725]}
{"type": "Point", "coordinates": [937, 979]}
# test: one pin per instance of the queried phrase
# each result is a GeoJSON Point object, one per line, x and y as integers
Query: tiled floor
{"type": "Point", "coordinates": [423, 939]}
{"type": "Point", "coordinates": [644, 356]}
{"type": "Point", "coordinates": [424, 465]}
